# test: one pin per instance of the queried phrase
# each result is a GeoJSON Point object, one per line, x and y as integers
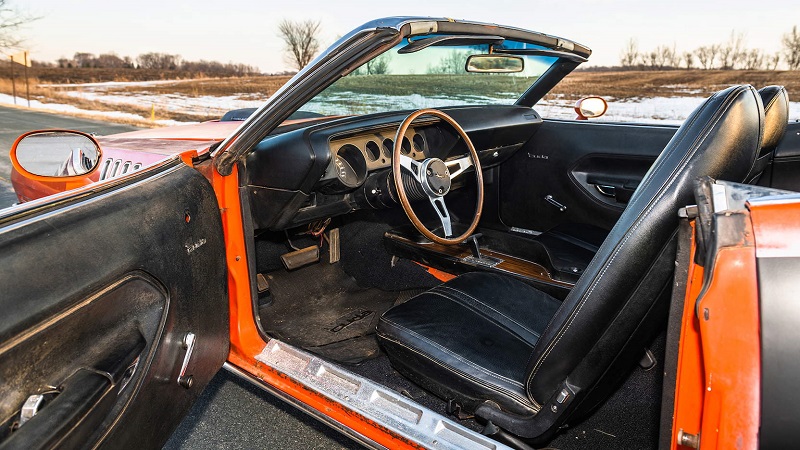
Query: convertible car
{"type": "Point", "coordinates": [420, 261]}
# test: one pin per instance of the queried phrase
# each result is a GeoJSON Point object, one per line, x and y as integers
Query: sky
{"type": "Point", "coordinates": [244, 31]}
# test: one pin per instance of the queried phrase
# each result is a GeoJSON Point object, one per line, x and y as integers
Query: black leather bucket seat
{"type": "Point", "coordinates": [528, 362]}
{"type": "Point", "coordinates": [776, 118]}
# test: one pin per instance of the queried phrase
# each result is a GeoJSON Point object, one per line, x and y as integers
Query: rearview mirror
{"type": "Point", "coordinates": [62, 154]}
{"type": "Point", "coordinates": [495, 64]}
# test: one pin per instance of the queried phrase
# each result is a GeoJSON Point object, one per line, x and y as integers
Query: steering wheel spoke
{"type": "Point", "coordinates": [458, 166]}
{"type": "Point", "coordinates": [412, 166]}
{"type": "Point", "coordinates": [444, 215]}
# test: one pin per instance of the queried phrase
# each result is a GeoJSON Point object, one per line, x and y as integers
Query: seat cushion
{"type": "Point", "coordinates": [571, 247]}
{"type": "Point", "coordinates": [469, 339]}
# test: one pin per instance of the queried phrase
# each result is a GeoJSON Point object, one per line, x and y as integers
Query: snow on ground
{"type": "Point", "coordinates": [69, 109]}
{"type": "Point", "coordinates": [343, 103]}
{"type": "Point", "coordinates": [663, 110]}
{"type": "Point", "coordinates": [107, 84]}
{"type": "Point", "coordinates": [205, 105]}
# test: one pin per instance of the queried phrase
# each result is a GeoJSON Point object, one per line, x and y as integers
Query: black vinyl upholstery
{"type": "Point", "coordinates": [571, 246]}
{"type": "Point", "coordinates": [471, 332]}
{"type": "Point", "coordinates": [776, 117]}
{"type": "Point", "coordinates": [598, 333]}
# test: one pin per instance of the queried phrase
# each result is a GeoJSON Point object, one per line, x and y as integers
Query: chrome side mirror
{"type": "Point", "coordinates": [590, 107]}
{"type": "Point", "coordinates": [55, 154]}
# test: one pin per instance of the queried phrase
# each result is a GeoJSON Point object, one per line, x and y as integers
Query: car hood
{"type": "Point", "coordinates": [214, 131]}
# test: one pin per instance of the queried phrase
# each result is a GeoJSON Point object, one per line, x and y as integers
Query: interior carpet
{"type": "Point", "coordinates": [323, 310]}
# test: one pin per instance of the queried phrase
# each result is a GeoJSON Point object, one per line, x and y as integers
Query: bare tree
{"type": "Point", "coordinates": [84, 60]}
{"type": "Point", "coordinates": [773, 61]}
{"type": "Point", "coordinates": [10, 22]}
{"type": "Point", "coordinates": [111, 61]}
{"type": "Point", "coordinates": [674, 57]}
{"type": "Point", "coordinates": [732, 53]}
{"type": "Point", "coordinates": [663, 57]}
{"type": "Point", "coordinates": [301, 39]}
{"type": "Point", "coordinates": [630, 54]}
{"type": "Point", "coordinates": [706, 55]}
{"type": "Point", "coordinates": [753, 59]}
{"type": "Point", "coordinates": [650, 59]}
{"type": "Point", "coordinates": [452, 63]}
{"type": "Point", "coordinates": [160, 61]}
{"type": "Point", "coordinates": [791, 48]}
{"type": "Point", "coordinates": [688, 60]}
{"type": "Point", "coordinates": [378, 65]}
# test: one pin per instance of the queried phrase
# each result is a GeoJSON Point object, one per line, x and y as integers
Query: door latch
{"type": "Point", "coordinates": [549, 198]}
{"type": "Point", "coordinates": [188, 343]}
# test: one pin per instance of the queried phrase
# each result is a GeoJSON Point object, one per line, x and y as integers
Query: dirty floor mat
{"type": "Point", "coordinates": [321, 309]}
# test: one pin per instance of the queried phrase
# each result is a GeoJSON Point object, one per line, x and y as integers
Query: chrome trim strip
{"type": "Point", "coordinates": [775, 200]}
{"type": "Point", "coordinates": [396, 413]}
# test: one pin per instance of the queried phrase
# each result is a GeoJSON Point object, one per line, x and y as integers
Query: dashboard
{"type": "Point", "coordinates": [332, 167]}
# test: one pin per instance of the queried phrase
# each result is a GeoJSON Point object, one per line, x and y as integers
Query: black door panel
{"type": "Point", "coordinates": [786, 165]}
{"type": "Point", "coordinates": [555, 177]}
{"type": "Point", "coordinates": [99, 293]}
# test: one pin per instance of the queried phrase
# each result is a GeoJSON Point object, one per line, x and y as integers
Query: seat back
{"type": "Point", "coordinates": [620, 301]}
{"type": "Point", "coordinates": [776, 117]}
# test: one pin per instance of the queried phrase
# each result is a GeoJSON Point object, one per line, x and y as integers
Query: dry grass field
{"type": "Point", "coordinates": [611, 85]}
{"type": "Point", "coordinates": [671, 83]}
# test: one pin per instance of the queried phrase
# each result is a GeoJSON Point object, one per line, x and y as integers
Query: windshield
{"type": "Point", "coordinates": [433, 77]}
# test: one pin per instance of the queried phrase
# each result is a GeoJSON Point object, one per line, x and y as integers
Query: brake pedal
{"type": "Point", "coordinates": [264, 295]}
{"type": "Point", "coordinates": [300, 258]}
{"type": "Point", "coordinates": [261, 283]}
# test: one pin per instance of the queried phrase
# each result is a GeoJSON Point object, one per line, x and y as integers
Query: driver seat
{"type": "Point", "coordinates": [527, 363]}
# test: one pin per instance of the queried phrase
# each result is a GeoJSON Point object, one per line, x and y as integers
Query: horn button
{"type": "Point", "coordinates": [435, 177]}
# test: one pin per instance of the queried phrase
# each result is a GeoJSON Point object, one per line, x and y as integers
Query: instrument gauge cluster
{"type": "Point", "coordinates": [354, 157]}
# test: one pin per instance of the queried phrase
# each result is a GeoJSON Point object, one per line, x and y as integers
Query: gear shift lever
{"type": "Point", "coordinates": [472, 241]}
{"type": "Point", "coordinates": [477, 258]}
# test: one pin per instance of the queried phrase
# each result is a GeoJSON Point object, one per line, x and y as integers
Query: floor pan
{"type": "Point", "coordinates": [323, 310]}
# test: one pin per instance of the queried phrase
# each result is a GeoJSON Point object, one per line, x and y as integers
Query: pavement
{"type": "Point", "coordinates": [231, 413]}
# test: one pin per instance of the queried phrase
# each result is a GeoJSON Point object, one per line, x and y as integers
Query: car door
{"type": "Point", "coordinates": [577, 171]}
{"type": "Point", "coordinates": [114, 310]}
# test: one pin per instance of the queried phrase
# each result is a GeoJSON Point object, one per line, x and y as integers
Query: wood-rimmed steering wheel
{"type": "Point", "coordinates": [434, 176]}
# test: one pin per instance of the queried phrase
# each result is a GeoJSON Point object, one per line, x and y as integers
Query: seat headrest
{"type": "Point", "coordinates": [776, 116]}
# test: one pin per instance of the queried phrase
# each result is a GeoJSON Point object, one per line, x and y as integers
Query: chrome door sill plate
{"type": "Point", "coordinates": [397, 413]}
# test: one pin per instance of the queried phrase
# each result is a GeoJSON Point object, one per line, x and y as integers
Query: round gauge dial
{"type": "Point", "coordinates": [345, 172]}
{"type": "Point", "coordinates": [350, 166]}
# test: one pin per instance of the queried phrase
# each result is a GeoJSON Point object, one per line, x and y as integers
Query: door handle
{"type": "Point", "coordinates": [619, 190]}
{"type": "Point", "coordinates": [607, 190]}
{"type": "Point", "coordinates": [549, 198]}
